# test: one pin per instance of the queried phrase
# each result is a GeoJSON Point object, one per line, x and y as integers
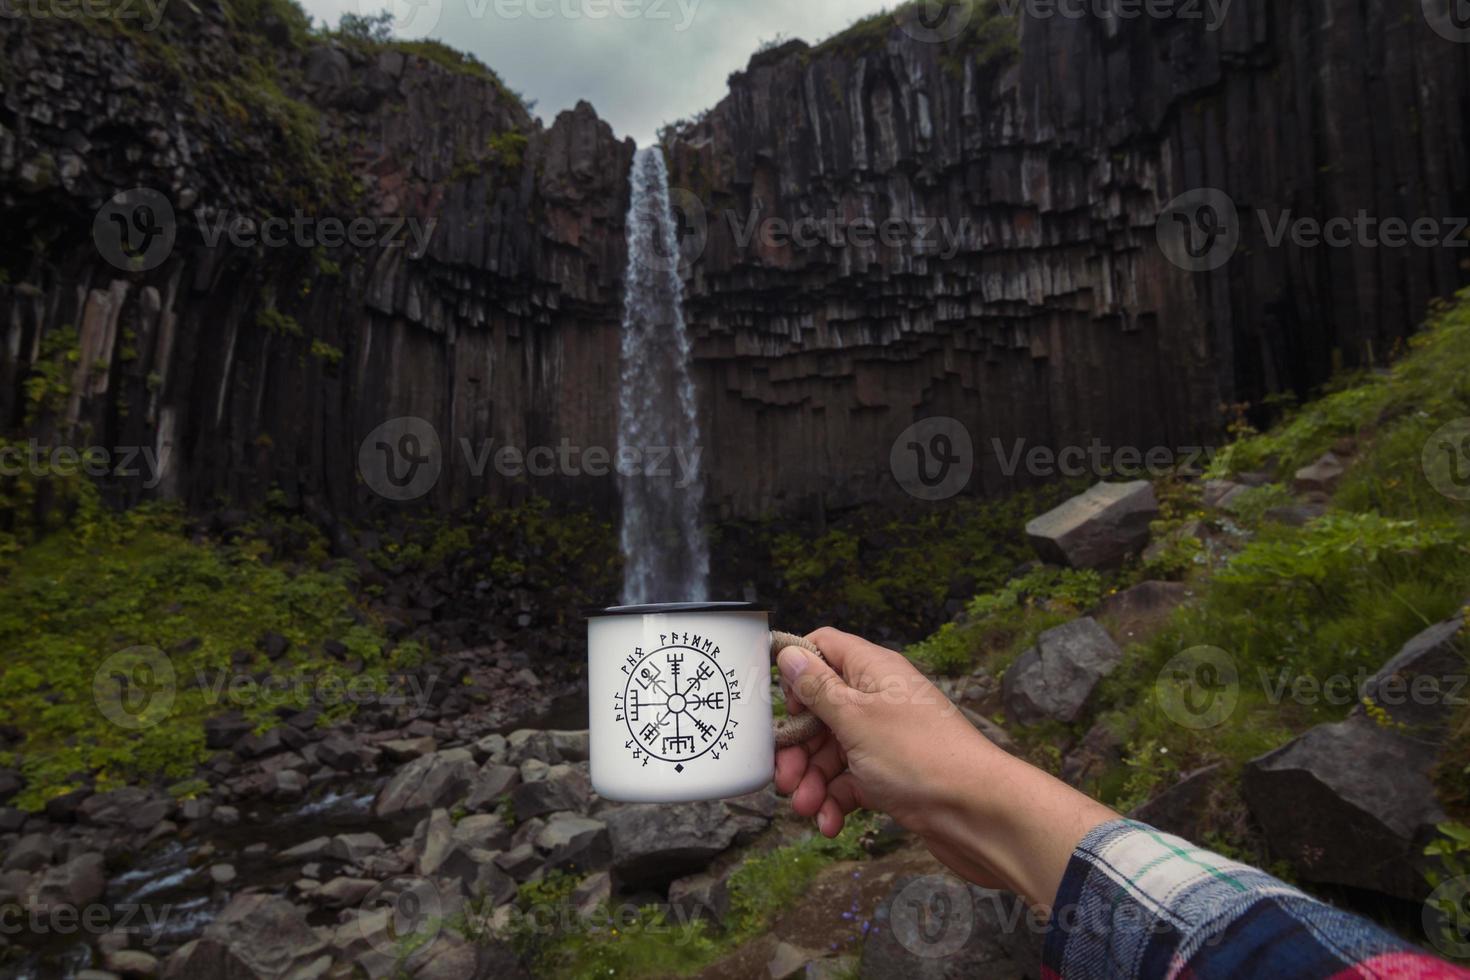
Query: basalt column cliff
{"type": "Point", "coordinates": [1028, 297]}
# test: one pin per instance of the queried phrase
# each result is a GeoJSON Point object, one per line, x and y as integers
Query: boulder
{"type": "Point", "coordinates": [490, 750]}
{"type": "Point", "coordinates": [483, 830]}
{"type": "Point", "coordinates": [1221, 494]}
{"type": "Point", "coordinates": [256, 937]}
{"type": "Point", "coordinates": [493, 782]}
{"type": "Point", "coordinates": [288, 785]}
{"type": "Point", "coordinates": [520, 862]}
{"type": "Point", "coordinates": [591, 892]}
{"type": "Point", "coordinates": [530, 744]}
{"type": "Point", "coordinates": [343, 892]}
{"type": "Point", "coordinates": [1319, 477]}
{"type": "Point", "coordinates": [981, 933]}
{"type": "Point", "coordinates": [225, 730]}
{"type": "Point", "coordinates": [1425, 685]}
{"type": "Point", "coordinates": [701, 895]}
{"type": "Point", "coordinates": [1098, 528]}
{"type": "Point", "coordinates": [436, 780]}
{"type": "Point", "coordinates": [354, 848]}
{"type": "Point", "coordinates": [1099, 751]}
{"type": "Point", "coordinates": [788, 961]}
{"type": "Point", "coordinates": [1054, 679]}
{"type": "Point", "coordinates": [1349, 803]}
{"type": "Point", "coordinates": [572, 746]}
{"type": "Point", "coordinates": [1183, 808]}
{"type": "Point", "coordinates": [312, 850]}
{"type": "Point", "coordinates": [561, 787]}
{"type": "Point", "coordinates": [401, 750]}
{"type": "Point", "coordinates": [31, 853]}
{"type": "Point", "coordinates": [76, 883]}
{"type": "Point", "coordinates": [478, 875]}
{"type": "Point", "coordinates": [432, 841]}
{"type": "Point", "coordinates": [654, 843]}
{"type": "Point", "coordinates": [11, 783]}
{"type": "Point", "coordinates": [131, 963]}
{"type": "Point", "coordinates": [128, 807]}
{"type": "Point", "coordinates": [574, 842]}
{"type": "Point", "coordinates": [345, 755]}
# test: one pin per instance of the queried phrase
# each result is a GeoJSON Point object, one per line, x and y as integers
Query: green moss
{"type": "Point", "coordinates": [137, 586]}
{"type": "Point", "coordinates": [274, 321]}
{"type": "Point", "coordinates": [323, 351]}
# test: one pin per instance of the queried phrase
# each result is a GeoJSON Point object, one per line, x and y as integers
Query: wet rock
{"type": "Point", "coordinates": [31, 853]}
{"type": "Point", "coordinates": [77, 882]}
{"type": "Point", "coordinates": [256, 937]}
{"type": "Point", "coordinates": [354, 848]}
{"type": "Point", "coordinates": [223, 874]}
{"type": "Point", "coordinates": [435, 780]}
{"type": "Point", "coordinates": [1349, 803]}
{"type": "Point", "coordinates": [561, 787]}
{"type": "Point", "coordinates": [1098, 528]}
{"type": "Point", "coordinates": [1054, 679]}
{"type": "Point", "coordinates": [574, 842]}
{"type": "Point", "coordinates": [344, 754]}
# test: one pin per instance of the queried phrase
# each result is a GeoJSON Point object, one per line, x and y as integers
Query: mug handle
{"type": "Point", "coordinates": [795, 729]}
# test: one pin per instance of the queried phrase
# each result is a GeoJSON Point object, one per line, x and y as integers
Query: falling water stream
{"type": "Point", "coordinates": [666, 555]}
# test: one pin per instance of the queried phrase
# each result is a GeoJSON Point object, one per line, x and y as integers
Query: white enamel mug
{"type": "Point", "coordinates": [680, 701]}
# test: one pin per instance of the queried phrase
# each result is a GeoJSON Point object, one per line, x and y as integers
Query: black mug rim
{"type": "Point", "coordinates": [655, 608]}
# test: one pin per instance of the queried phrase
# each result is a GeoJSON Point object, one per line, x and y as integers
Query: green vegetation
{"type": "Point", "coordinates": [649, 941]}
{"type": "Point", "coordinates": [274, 321]}
{"type": "Point", "coordinates": [95, 618]}
{"type": "Point", "coordinates": [969, 29]}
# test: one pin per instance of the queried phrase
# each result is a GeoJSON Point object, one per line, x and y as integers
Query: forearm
{"type": "Point", "coordinates": [1003, 821]}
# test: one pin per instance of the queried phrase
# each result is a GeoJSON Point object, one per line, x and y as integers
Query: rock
{"type": "Point", "coordinates": [1054, 679]}
{"type": "Point", "coordinates": [1137, 612]}
{"type": "Point", "coordinates": [64, 808]}
{"type": "Point", "coordinates": [653, 843]}
{"type": "Point", "coordinates": [344, 892]}
{"type": "Point", "coordinates": [432, 840]}
{"type": "Point", "coordinates": [483, 830]}
{"type": "Point", "coordinates": [1349, 803]}
{"type": "Point", "coordinates": [312, 850]}
{"type": "Point", "coordinates": [1221, 494]}
{"type": "Point", "coordinates": [131, 963]}
{"type": "Point", "coordinates": [572, 746]}
{"type": "Point", "coordinates": [256, 937]}
{"type": "Point", "coordinates": [529, 744]}
{"type": "Point", "coordinates": [1319, 477]}
{"type": "Point", "coordinates": [354, 848]}
{"type": "Point", "coordinates": [789, 961]}
{"type": "Point", "coordinates": [345, 755]}
{"type": "Point", "coordinates": [1001, 938]}
{"type": "Point", "coordinates": [1098, 528]}
{"type": "Point", "coordinates": [31, 853]}
{"type": "Point", "coordinates": [574, 842]}
{"type": "Point", "coordinates": [225, 816]}
{"type": "Point", "coordinates": [1099, 751]}
{"type": "Point", "coordinates": [490, 750]}
{"type": "Point", "coordinates": [479, 876]}
{"type": "Point", "coordinates": [1295, 515]}
{"type": "Point", "coordinates": [11, 783]}
{"type": "Point", "coordinates": [77, 882]}
{"type": "Point", "coordinates": [128, 807]}
{"type": "Point", "coordinates": [519, 862]}
{"type": "Point", "coordinates": [1183, 808]}
{"type": "Point", "coordinates": [407, 749]}
{"type": "Point", "coordinates": [990, 730]}
{"type": "Point", "coordinates": [11, 819]}
{"type": "Point", "coordinates": [563, 787]}
{"type": "Point", "coordinates": [435, 780]}
{"type": "Point", "coordinates": [448, 957]}
{"type": "Point", "coordinates": [493, 782]}
{"type": "Point", "coordinates": [225, 730]}
{"type": "Point", "coordinates": [701, 895]}
{"type": "Point", "coordinates": [288, 785]}
{"type": "Point", "coordinates": [273, 644]}
{"type": "Point", "coordinates": [222, 874]}
{"type": "Point", "coordinates": [1424, 686]}
{"type": "Point", "coordinates": [591, 892]}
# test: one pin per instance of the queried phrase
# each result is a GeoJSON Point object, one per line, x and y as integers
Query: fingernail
{"type": "Point", "coordinates": [793, 662]}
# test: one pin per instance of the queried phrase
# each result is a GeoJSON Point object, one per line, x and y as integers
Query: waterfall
{"type": "Point", "coordinates": [665, 553]}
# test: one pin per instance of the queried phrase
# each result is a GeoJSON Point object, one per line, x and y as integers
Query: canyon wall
{"type": "Point", "coordinates": [1029, 296]}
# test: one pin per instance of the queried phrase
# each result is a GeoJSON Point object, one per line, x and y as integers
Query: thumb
{"type": "Point", "coordinates": [817, 686]}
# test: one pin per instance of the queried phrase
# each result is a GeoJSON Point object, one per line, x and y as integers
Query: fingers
{"type": "Point", "coordinates": [845, 652]}
{"type": "Point", "coordinates": [790, 767]}
{"type": "Point", "coordinates": [844, 795]}
{"type": "Point", "coordinates": [817, 686]}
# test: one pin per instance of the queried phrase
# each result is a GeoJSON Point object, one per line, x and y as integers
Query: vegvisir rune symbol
{"type": "Point", "coordinates": [676, 702]}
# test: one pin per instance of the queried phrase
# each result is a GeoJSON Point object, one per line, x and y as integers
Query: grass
{"type": "Point", "coordinates": [126, 594]}
{"type": "Point", "coordinates": [647, 941]}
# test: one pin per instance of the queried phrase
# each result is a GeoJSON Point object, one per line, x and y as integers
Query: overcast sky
{"type": "Point", "coordinates": [641, 63]}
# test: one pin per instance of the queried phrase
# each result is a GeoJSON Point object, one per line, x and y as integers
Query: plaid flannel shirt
{"type": "Point", "coordinates": [1136, 902]}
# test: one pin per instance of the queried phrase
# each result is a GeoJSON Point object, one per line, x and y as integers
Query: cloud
{"type": "Point", "coordinates": [641, 63]}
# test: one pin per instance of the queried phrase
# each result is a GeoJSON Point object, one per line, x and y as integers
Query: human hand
{"type": "Point", "coordinates": [896, 744]}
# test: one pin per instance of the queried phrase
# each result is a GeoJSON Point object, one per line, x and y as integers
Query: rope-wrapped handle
{"type": "Point", "coordinates": [795, 729]}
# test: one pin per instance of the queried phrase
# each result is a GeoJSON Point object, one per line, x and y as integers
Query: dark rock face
{"type": "Point", "coordinates": [1050, 314]}
{"type": "Point", "coordinates": [1044, 310]}
{"type": "Point", "coordinates": [1054, 679]}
